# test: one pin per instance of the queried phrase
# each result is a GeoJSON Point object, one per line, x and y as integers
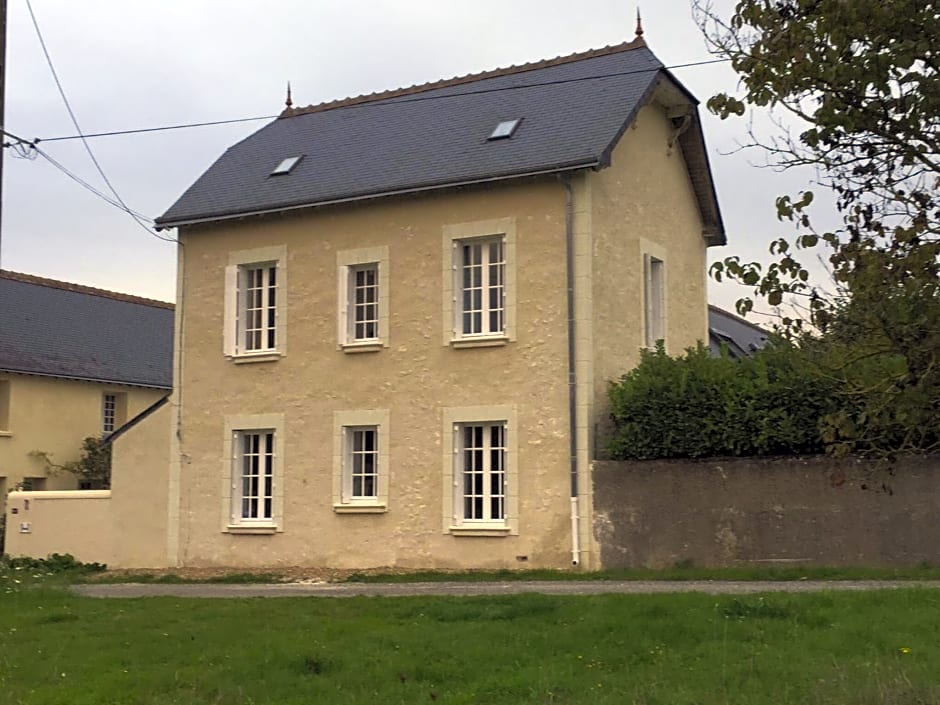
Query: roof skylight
{"type": "Point", "coordinates": [505, 129]}
{"type": "Point", "coordinates": [286, 165]}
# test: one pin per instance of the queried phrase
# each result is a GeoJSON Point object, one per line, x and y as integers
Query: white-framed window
{"type": "Point", "coordinates": [481, 470]}
{"type": "Point", "coordinates": [5, 394]}
{"type": "Point", "coordinates": [363, 299]}
{"type": "Point", "coordinates": [363, 303]}
{"type": "Point", "coordinates": [255, 303]}
{"type": "Point", "coordinates": [482, 283]}
{"type": "Point", "coordinates": [361, 461]}
{"type": "Point", "coordinates": [654, 284]}
{"type": "Point", "coordinates": [479, 283]}
{"type": "Point", "coordinates": [108, 412]}
{"type": "Point", "coordinates": [256, 311]}
{"type": "Point", "coordinates": [113, 411]}
{"type": "Point", "coordinates": [252, 474]}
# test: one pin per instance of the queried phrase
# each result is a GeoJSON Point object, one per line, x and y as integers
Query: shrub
{"type": "Point", "coordinates": [696, 405]}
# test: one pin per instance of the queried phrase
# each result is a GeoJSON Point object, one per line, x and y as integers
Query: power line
{"type": "Point", "coordinates": [155, 129]}
{"type": "Point", "coordinates": [120, 201]}
{"type": "Point", "coordinates": [21, 144]}
{"type": "Point", "coordinates": [386, 101]}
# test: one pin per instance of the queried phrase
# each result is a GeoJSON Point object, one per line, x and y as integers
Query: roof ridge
{"type": "Point", "coordinates": [637, 43]}
{"type": "Point", "coordinates": [82, 289]}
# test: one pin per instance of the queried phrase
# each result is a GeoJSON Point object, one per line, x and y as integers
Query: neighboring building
{"type": "Point", "coordinates": [741, 337]}
{"type": "Point", "coordinates": [398, 317]}
{"type": "Point", "coordinates": [74, 362]}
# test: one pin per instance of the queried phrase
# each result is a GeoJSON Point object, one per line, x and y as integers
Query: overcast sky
{"type": "Point", "coordinates": [147, 63]}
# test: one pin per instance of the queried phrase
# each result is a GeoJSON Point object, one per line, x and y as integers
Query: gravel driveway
{"type": "Point", "coordinates": [600, 587]}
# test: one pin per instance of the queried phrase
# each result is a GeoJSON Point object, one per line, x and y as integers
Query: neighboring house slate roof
{"type": "Point", "coordinates": [742, 337]}
{"type": "Point", "coordinates": [574, 110]}
{"type": "Point", "coordinates": [58, 329]}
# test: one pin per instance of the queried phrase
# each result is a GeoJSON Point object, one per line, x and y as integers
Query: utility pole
{"type": "Point", "coordinates": [3, 74]}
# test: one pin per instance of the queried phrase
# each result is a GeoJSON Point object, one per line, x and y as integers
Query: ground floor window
{"type": "Point", "coordinates": [254, 476]}
{"type": "Point", "coordinates": [481, 468]}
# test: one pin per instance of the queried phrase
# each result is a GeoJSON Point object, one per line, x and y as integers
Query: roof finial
{"type": "Point", "coordinates": [639, 23]}
{"type": "Point", "coordinates": [289, 102]}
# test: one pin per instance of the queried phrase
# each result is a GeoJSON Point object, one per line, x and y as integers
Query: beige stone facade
{"type": "Point", "coordinates": [418, 382]}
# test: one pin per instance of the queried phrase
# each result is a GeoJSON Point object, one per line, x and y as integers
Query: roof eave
{"type": "Point", "coordinates": [167, 223]}
{"type": "Point", "coordinates": [80, 378]}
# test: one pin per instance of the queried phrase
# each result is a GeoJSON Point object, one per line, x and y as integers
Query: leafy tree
{"type": "Point", "coordinates": [93, 468]}
{"type": "Point", "coordinates": [859, 79]}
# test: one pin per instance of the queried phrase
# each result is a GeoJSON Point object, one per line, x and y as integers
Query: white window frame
{"type": "Point", "coordinates": [240, 265]}
{"type": "Point", "coordinates": [654, 299]}
{"type": "Point", "coordinates": [481, 232]}
{"type": "Point", "coordinates": [108, 412]}
{"type": "Point", "coordinates": [6, 410]}
{"type": "Point", "coordinates": [348, 263]}
{"type": "Point", "coordinates": [345, 424]}
{"type": "Point", "coordinates": [455, 421]}
{"type": "Point", "coordinates": [236, 428]}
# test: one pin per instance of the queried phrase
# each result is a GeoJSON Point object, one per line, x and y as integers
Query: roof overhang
{"type": "Point", "coordinates": [682, 107]}
{"type": "Point", "coordinates": [166, 224]}
{"type": "Point", "coordinates": [79, 378]}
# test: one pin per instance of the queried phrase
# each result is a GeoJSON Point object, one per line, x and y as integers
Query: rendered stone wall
{"type": "Point", "coordinates": [767, 511]}
{"type": "Point", "coordinates": [75, 522]}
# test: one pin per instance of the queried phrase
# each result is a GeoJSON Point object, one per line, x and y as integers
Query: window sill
{"type": "Point", "coordinates": [481, 342]}
{"type": "Point", "coordinates": [248, 529]}
{"type": "Point", "coordinates": [479, 530]}
{"type": "Point", "coordinates": [6, 434]}
{"type": "Point", "coordinates": [364, 347]}
{"type": "Point", "coordinates": [257, 357]}
{"type": "Point", "coordinates": [360, 508]}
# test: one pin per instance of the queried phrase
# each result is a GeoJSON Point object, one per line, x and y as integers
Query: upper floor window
{"type": "Point", "coordinates": [363, 304]}
{"type": "Point", "coordinates": [482, 272]}
{"type": "Point", "coordinates": [113, 411]}
{"type": "Point", "coordinates": [479, 283]}
{"type": "Point", "coordinates": [255, 308]}
{"type": "Point", "coordinates": [654, 275]}
{"type": "Point", "coordinates": [363, 298]}
{"type": "Point", "coordinates": [108, 412]}
{"type": "Point", "coordinates": [4, 406]}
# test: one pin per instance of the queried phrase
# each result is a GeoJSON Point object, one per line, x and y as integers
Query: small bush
{"type": "Point", "coordinates": [54, 563]}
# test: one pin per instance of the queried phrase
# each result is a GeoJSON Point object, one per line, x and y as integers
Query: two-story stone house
{"type": "Point", "coordinates": [398, 315]}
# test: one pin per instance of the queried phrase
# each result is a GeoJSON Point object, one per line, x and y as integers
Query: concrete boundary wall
{"type": "Point", "coordinates": [767, 511]}
{"type": "Point", "coordinates": [78, 522]}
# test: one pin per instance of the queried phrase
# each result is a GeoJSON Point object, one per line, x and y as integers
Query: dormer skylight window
{"type": "Point", "coordinates": [505, 129]}
{"type": "Point", "coordinates": [286, 165]}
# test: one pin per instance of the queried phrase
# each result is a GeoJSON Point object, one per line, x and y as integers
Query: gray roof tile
{"type": "Point", "coordinates": [573, 111]}
{"type": "Point", "coordinates": [65, 330]}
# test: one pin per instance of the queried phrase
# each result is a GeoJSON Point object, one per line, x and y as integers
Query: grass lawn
{"type": "Point", "coordinates": [860, 648]}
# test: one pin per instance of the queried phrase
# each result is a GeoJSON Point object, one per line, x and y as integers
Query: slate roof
{"type": "Point", "coordinates": [573, 109]}
{"type": "Point", "coordinates": [742, 337]}
{"type": "Point", "coordinates": [57, 329]}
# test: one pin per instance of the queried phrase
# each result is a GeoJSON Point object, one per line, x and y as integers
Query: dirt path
{"type": "Point", "coordinates": [627, 587]}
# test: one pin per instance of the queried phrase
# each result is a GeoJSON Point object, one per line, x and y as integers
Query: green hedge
{"type": "Point", "coordinates": [700, 406]}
